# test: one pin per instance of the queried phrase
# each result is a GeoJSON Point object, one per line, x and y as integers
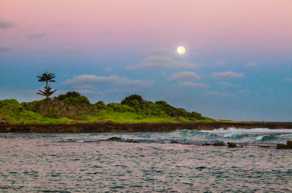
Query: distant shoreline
{"type": "Point", "coordinates": [139, 127]}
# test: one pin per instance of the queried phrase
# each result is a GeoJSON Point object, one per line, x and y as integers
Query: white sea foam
{"type": "Point", "coordinates": [248, 131]}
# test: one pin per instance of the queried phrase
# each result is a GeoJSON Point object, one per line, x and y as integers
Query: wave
{"type": "Point", "coordinates": [167, 141]}
{"type": "Point", "coordinates": [266, 137]}
{"type": "Point", "coordinates": [218, 136]}
{"type": "Point", "coordinates": [235, 135]}
{"type": "Point", "coordinates": [254, 130]}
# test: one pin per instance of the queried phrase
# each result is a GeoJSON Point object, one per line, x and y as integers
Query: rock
{"type": "Point", "coordinates": [119, 139]}
{"type": "Point", "coordinates": [281, 146]}
{"type": "Point", "coordinates": [219, 143]}
{"type": "Point", "coordinates": [206, 144]}
{"type": "Point", "coordinates": [215, 143]}
{"type": "Point", "coordinates": [288, 145]}
{"type": "Point", "coordinates": [231, 145]}
{"type": "Point", "coordinates": [201, 168]}
{"type": "Point", "coordinates": [131, 141]}
{"type": "Point", "coordinates": [115, 139]}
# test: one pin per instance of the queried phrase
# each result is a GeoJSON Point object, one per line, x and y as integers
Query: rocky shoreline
{"type": "Point", "coordinates": [140, 127]}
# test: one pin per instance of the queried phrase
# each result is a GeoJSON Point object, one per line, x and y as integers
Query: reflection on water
{"type": "Point", "coordinates": [152, 162]}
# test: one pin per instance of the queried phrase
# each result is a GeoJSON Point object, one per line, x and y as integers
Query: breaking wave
{"type": "Point", "coordinates": [192, 137]}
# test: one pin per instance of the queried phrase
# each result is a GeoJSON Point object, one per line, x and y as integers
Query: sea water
{"type": "Point", "coordinates": [179, 161]}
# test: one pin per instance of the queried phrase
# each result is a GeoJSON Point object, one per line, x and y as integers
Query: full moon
{"type": "Point", "coordinates": [181, 50]}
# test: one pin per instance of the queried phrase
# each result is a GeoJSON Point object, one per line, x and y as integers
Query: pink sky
{"type": "Point", "coordinates": [238, 51]}
{"type": "Point", "coordinates": [265, 25]}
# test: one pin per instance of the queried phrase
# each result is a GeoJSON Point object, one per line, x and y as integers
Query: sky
{"type": "Point", "coordinates": [238, 63]}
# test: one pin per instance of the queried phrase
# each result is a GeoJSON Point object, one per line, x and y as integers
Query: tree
{"type": "Point", "coordinates": [47, 78]}
{"type": "Point", "coordinates": [73, 98]}
{"type": "Point", "coordinates": [133, 100]}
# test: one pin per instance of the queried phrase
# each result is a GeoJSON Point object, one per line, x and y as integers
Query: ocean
{"type": "Point", "coordinates": [179, 161]}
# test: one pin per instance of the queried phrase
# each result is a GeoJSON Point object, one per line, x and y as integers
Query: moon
{"type": "Point", "coordinates": [181, 50]}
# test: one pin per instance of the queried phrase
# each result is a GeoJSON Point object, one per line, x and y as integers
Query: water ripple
{"type": "Point", "coordinates": [150, 163]}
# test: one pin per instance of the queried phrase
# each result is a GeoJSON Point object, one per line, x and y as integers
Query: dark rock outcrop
{"type": "Point", "coordinates": [219, 143]}
{"type": "Point", "coordinates": [231, 145]}
{"type": "Point", "coordinates": [214, 143]}
{"type": "Point", "coordinates": [288, 145]}
{"type": "Point", "coordinates": [118, 139]}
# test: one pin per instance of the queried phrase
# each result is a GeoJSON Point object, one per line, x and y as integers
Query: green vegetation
{"type": "Point", "coordinates": [11, 111]}
{"type": "Point", "coordinates": [72, 108]}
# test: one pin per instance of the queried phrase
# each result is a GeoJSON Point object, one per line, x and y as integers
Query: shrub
{"type": "Point", "coordinates": [100, 105]}
{"type": "Point", "coordinates": [71, 105]}
{"type": "Point", "coordinates": [10, 104]}
{"type": "Point", "coordinates": [73, 98]}
{"type": "Point", "coordinates": [133, 100]}
{"type": "Point", "coordinates": [76, 107]}
{"type": "Point", "coordinates": [119, 107]}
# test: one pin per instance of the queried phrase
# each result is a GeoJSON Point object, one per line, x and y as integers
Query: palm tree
{"type": "Point", "coordinates": [47, 78]}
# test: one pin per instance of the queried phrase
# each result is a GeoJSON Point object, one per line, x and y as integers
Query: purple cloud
{"type": "Point", "coordinates": [37, 35]}
{"type": "Point", "coordinates": [194, 84]}
{"type": "Point", "coordinates": [186, 75]}
{"type": "Point", "coordinates": [88, 80]}
{"type": "Point", "coordinates": [4, 49]}
{"type": "Point", "coordinates": [227, 75]}
{"type": "Point", "coordinates": [162, 59]}
{"type": "Point", "coordinates": [6, 24]}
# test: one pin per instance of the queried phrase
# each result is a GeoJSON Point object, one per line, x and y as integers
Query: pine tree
{"type": "Point", "coordinates": [47, 78]}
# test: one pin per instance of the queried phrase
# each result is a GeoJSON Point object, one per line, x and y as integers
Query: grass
{"type": "Point", "coordinates": [12, 112]}
{"type": "Point", "coordinates": [127, 117]}
{"type": "Point", "coordinates": [15, 114]}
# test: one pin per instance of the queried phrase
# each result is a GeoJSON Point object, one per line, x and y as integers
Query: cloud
{"type": "Point", "coordinates": [36, 35]}
{"type": "Point", "coordinates": [227, 75]}
{"type": "Point", "coordinates": [251, 64]}
{"type": "Point", "coordinates": [194, 84]}
{"type": "Point", "coordinates": [112, 86]}
{"type": "Point", "coordinates": [6, 24]}
{"type": "Point", "coordinates": [186, 75]}
{"type": "Point", "coordinates": [288, 79]}
{"type": "Point", "coordinates": [4, 49]}
{"type": "Point", "coordinates": [218, 93]}
{"type": "Point", "coordinates": [220, 63]}
{"type": "Point", "coordinates": [88, 80]}
{"type": "Point", "coordinates": [163, 59]}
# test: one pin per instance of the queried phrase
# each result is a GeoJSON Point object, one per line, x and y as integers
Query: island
{"type": "Point", "coordinates": [74, 113]}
